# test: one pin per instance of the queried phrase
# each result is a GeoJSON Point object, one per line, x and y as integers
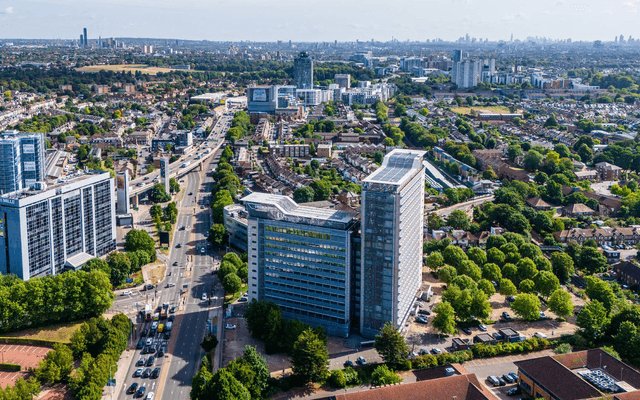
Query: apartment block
{"type": "Point", "coordinates": [21, 160]}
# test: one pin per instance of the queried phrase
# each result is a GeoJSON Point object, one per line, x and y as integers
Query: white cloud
{"type": "Point", "coordinates": [8, 10]}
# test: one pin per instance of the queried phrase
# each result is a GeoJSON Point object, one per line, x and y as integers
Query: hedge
{"type": "Point", "coordinates": [481, 350]}
{"type": "Point", "coordinates": [10, 367]}
{"type": "Point", "coordinates": [21, 340]}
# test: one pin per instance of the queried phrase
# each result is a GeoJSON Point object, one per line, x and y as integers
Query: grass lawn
{"type": "Point", "coordinates": [59, 332]}
{"type": "Point", "coordinates": [484, 109]}
{"type": "Point", "coordinates": [145, 69]}
{"type": "Point", "coordinates": [228, 299]}
{"type": "Point", "coordinates": [156, 273]}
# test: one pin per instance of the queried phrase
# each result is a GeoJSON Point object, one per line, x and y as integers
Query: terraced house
{"type": "Point", "coordinates": [603, 236]}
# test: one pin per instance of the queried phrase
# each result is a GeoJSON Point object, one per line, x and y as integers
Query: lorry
{"type": "Point", "coordinates": [148, 312]}
{"type": "Point", "coordinates": [164, 311]}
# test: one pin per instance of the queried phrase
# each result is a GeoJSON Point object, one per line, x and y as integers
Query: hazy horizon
{"type": "Point", "coordinates": [319, 21]}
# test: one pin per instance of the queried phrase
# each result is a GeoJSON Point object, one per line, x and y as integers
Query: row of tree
{"type": "Point", "coordinates": [232, 273]}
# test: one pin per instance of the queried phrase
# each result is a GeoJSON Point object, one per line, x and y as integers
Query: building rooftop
{"type": "Point", "coordinates": [279, 207]}
{"type": "Point", "coordinates": [397, 167]}
{"type": "Point", "coordinates": [64, 184]}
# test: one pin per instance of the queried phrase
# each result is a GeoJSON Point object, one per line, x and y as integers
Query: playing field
{"type": "Point", "coordinates": [145, 69]}
{"type": "Point", "coordinates": [481, 110]}
{"type": "Point", "coordinates": [59, 332]}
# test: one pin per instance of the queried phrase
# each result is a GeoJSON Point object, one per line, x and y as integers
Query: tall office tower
{"type": "Point", "coordinates": [303, 71]}
{"type": "Point", "coordinates": [466, 74]}
{"type": "Point", "coordinates": [343, 80]}
{"type": "Point", "coordinates": [81, 40]}
{"type": "Point", "coordinates": [300, 258]}
{"type": "Point", "coordinates": [392, 217]}
{"type": "Point", "coordinates": [49, 229]}
{"type": "Point", "coordinates": [457, 55]}
{"type": "Point", "coordinates": [85, 37]}
{"type": "Point", "coordinates": [21, 160]}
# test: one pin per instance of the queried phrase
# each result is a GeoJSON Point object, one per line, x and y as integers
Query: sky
{"type": "Point", "coordinates": [320, 20]}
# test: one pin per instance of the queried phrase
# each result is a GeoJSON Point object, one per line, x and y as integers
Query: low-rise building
{"type": "Point", "coordinates": [628, 272]}
{"type": "Point", "coordinates": [577, 210]}
{"type": "Point", "coordinates": [605, 236]}
{"type": "Point", "coordinates": [538, 204]}
{"type": "Point", "coordinates": [608, 172]}
{"type": "Point", "coordinates": [235, 222]}
{"type": "Point", "coordinates": [323, 150]}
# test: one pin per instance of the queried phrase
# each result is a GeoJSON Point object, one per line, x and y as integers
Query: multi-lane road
{"type": "Point", "coordinates": [190, 267]}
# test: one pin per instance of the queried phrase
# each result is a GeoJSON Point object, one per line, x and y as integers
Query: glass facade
{"type": "Point", "coordinates": [73, 225]}
{"type": "Point", "coordinates": [21, 160]}
{"type": "Point", "coordinates": [10, 171]}
{"type": "Point", "coordinates": [103, 200]}
{"type": "Point", "coordinates": [58, 234]}
{"type": "Point", "coordinates": [39, 239]}
{"type": "Point", "coordinates": [87, 205]}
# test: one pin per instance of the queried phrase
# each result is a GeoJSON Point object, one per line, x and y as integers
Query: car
{"type": "Point", "coordinates": [507, 378]}
{"type": "Point", "coordinates": [140, 345]}
{"type": "Point", "coordinates": [203, 297]}
{"type": "Point", "coordinates": [190, 193]}
{"type": "Point", "coordinates": [172, 317]}
{"type": "Point", "coordinates": [422, 319]}
{"type": "Point", "coordinates": [155, 373]}
{"type": "Point", "coordinates": [141, 361]}
{"type": "Point", "coordinates": [543, 315]}
{"type": "Point", "coordinates": [160, 352]}
{"type": "Point", "coordinates": [511, 299]}
{"type": "Point", "coordinates": [137, 373]}
{"type": "Point", "coordinates": [482, 328]}
{"type": "Point", "coordinates": [153, 331]}
{"type": "Point", "coordinates": [513, 391]}
{"type": "Point", "coordinates": [152, 349]}
{"type": "Point", "coordinates": [175, 263]}
{"type": "Point", "coordinates": [348, 363]}
{"type": "Point", "coordinates": [506, 316]}
{"type": "Point", "coordinates": [182, 228]}
{"type": "Point", "coordinates": [144, 332]}
{"type": "Point", "coordinates": [420, 304]}
{"type": "Point", "coordinates": [149, 341]}
{"type": "Point", "coordinates": [145, 350]}
{"type": "Point", "coordinates": [513, 376]}
{"type": "Point", "coordinates": [202, 250]}
{"type": "Point", "coordinates": [424, 312]}
{"type": "Point", "coordinates": [361, 361]}
{"type": "Point", "coordinates": [242, 300]}
{"type": "Point", "coordinates": [150, 361]}
{"type": "Point", "coordinates": [141, 391]}
{"type": "Point", "coordinates": [436, 350]}
{"type": "Point", "coordinates": [167, 335]}
{"type": "Point", "coordinates": [494, 380]}
{"type": "Point", "coordinates": [132, 389]}
{"type": "Point", "coordinates": [501, 381]}
{"type": "Point", "coordinates": [229, 326]}
{"type": "Point", "coordinates": [149, 396]}
{"type": "Point", "coordinates": [540, 335]}
{"type": "Point", "coordinates": [140, 184]}
{"type": "Point", "coordinates": [466, 330]}
{"type": "Point", "coordinates": [179, 245]}
{"type": "Point", "coordinates": [149, 287]}
{"type": "Point", "coordinates": [171, 284]}
{"type": "Point", "coordinates": [146, 372]}
{"type": "Point", "coordinates": [126, 293]}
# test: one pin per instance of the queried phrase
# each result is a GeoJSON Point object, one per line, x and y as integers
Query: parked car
{"type": "Point", "coordinates": [155, 373]}
{"type": "Point", "coordinates": [466, 330]}
{"type": "Point", "coordinates": [137, 373]}
{"type": "Point", "coordinates": [436, 351]}
{"type": "Point", "coordinates": [506, 316]}
{"type": "Point", "coordinates": [204, 296]}
{"type": "Point", "coordinates": [160, 352]}
{"type": "Point", "coordinates": [150, 361]}
{"type": "Point", "coordinates": [150, 396]}
{"type": "Point", "coordinates": [494, 380]}
{"type": "Point", "coordinates": [501, 381]}
{"type": "Point", "coordinates": [540, 335]}
{"type": "Point", "coordinates": [126, 293]}
{"type": "Point", "coordinates": [229, 326]}
{"type": "Point", "coordinates": [513, 391]}
{"type": "Point", "coordinates": [132, 389]}
{"type": "Point", "coordinates": [507, 378]}
{"type": "Point", "coordinates": [513, 376]}
{"type": "Point", "coordinates": [348, 363]}
{"type": "Point", "coordinates": [141, 361]}
{"type": "Point", "coordinates": [482, 328]}
{"type": "Point", "coordinates": [543, 315]}
{"type": "Point", "coordinates": [361, 361]}
{"type": "Point", "coordinates": [422, 319]}
{"type": "Point", "coordinates": [141, 391]}
{"type": "Point", "coordinates": [146, 373]}
{"type": "Point", "coordinates": [511, 299]}
{"type": "Point", "coordinates": [424, 312]}
{"type": "Point", "coordinates": [242, 300]}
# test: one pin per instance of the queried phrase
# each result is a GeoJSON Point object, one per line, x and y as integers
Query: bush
{"type": "Point", "coordinates": [404, 365]}
{"type": "Point", "coordinates": [351, 376]}
{"type": "Point", "coordinates": [563, 348]}
{"type": "Point", "coordinates": [483, 350]}
{"type": "Point", "coordinates": [337, 379]}
{"type": "Point", "coordinates": [382, 375]}
{"type": "Point", "coordinates": [425, 361]}
{"type": "Point", "coordinates": [10, 367]}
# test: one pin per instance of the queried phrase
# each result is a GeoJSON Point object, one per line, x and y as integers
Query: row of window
{"type": "Point", "coordinates": [303, 282]}
{"type": "Point", "coordinates": [307, 259]}
{"type": "Point", "coordinates": [298, 232]}
{"type": "Point", "coordinates": [279, 265]}
{"type": "Point", "coordinates": [317, 245]}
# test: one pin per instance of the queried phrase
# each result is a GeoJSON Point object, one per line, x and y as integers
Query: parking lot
{"type": "Point", "coordinates": [26, 356]}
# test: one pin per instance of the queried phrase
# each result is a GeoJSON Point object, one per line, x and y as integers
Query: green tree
{"type": "Point", "coordinates": [174, 186]}
{"type": "Point", "coordinates": [526, 268]}
{"type": "Point", "coordinates": [560, 303]}
{"type": "Point", "coordinates": [199, 384]}
{"type": "Point", "coordinates": [217, 234]}
{"type": "Point", "coordinates": [514, 151]}
{"type": "Point", "coordinates": [495, 256]}
{"type": "Point", "coordinates": [491, 272]}
{"type": "Point", "coordinates": [321, 189]}
{"type": "Point", "coordinates": [390, 344]}
{"type": "Point", "coordinates": [527, 286]}
{"type": "Point", "coordinates": [591, 260]}
{"type": "Point", "coordinates": [562, 265]}
{"type": "Point", "coordinates": [96, 263]}
{"type": "Point", "coordinates": [303, 194]}
{"type": "Point", "coordinates": [469, 268]}
{"type": "Point", "coordinates": [310, 358]}
{"type": "Point", "coordinates": [221, 200]}
{"type": "Point", "coordinates": [507, 288]}
{"type": "Point", "coordinates": [435, 260]}
{"type": "Point", "coordinates": [224, 386]}
{"type": "Point", "coordinates": [209, 343]}
{"type": "Point", "coordinates": [56, 366]}
{"type": "Point", "coordinates": [546, 283]}
{"type": "Point", "coordinates": [159, 194]}
{"type": "Point", "coordinates": [458, 219]}
{"type": "Point", "coordinates": [434, 222]}
{"type": "Point", "coordinates": [232, 283]}
{"type": "Point", "coordinates": [527, 306]}
{"type": "Point", "coordinates": [454, 255]}
{"type": "Point", "coordinates": [487, 287]}
{"type": "Point", "coordinates": [533, 160]}
{"type": "Point", "coordinates": [444, 319]}
{"type": "Point", "coordinates": [597, 289]}
{"type": "Point", "coordinates": [477, 255]}
{"type": "Point", "coordinates": [155, 210]}
{"type": "Point", "coordinates": [592, 320]}
{"type": "Point", "coordinates": [140, 240]}
{"type": "Point", "coordinates": [382, 375]}
{"type": "Point", "coordinates": [120, 266]}
{"type": "Point", "coordinates": [447, 274]}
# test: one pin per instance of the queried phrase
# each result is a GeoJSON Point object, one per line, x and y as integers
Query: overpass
{"type": "Point", "coordinates": [195, 159]}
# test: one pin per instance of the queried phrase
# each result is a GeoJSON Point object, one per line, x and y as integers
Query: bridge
{"type": "Point", "coordinates": [195, 159]}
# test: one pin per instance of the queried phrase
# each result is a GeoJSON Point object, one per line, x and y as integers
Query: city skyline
{"type": "Point", "coordinates": [279, 20]}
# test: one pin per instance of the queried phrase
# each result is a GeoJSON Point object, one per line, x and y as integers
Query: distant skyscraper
{"type": "Point", "coordinates": [621, 39]}
{"type": "Point", "coordinates": [81, 40]}
{"type": "Point", "coordinates": [85, 37]}
{"type": "Point", "coordinates": [392, 234]}
{"type": "Point", "coordinates": [457, 55]}
{"type": "Point", "coordinates": [303, 71]}
{"type": "Point", "coordinates": [21, 160]}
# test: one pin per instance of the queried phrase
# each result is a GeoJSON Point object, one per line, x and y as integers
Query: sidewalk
{"type": "Point", "coordinates": [120, 376]}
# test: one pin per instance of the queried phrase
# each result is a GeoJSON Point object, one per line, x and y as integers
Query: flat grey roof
{"type": "Point", "coordinates": [397, 167]}
{"type": "Point", "coordinates": [290, 208]}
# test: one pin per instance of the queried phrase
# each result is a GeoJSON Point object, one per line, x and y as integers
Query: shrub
{"type": "Point", "coordinates": [563, 348]}
{"type": "Point", "coordinates": [425, 361]}
{"type": "Point", "coordinates": [337, 379]}
{"type": "Point", "coordinates": [404, 365]}
{"type": "Point", "coordinates": [351, 376]}
{"type": "Point", "coordinates": [10, 367]}
{"type": "Point", "coordinates": [382, 375]}
{"type": "Point", "coordinates": [483, 350]}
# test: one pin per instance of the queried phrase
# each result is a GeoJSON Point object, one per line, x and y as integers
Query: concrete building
{"type": "Point", "coordinates": [303, 71]}
{"type": "Point", "coordinates": [235, 222]}
{"type": "Point", "coordinates": [47, 228]}
{"type": "Point", "coordinates": [22, 162]}
{"type": "Point", "coordinates": [466, 74]}
{"type": "Point", "coordinates": [392, 235]}
{"type": "Point", "coordinates": [300, 258]}
{"type": "Point", "coordinates": [262, 99]}
{"type": "Point", "coordinates": [343, 80]}
{"type": "Point", "coordinates": [608, 172]}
